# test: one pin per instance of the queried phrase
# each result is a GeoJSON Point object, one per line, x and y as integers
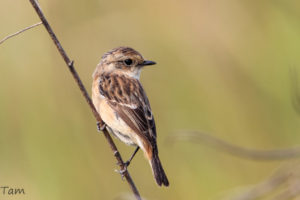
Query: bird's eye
{"type": "Point", "coordinates": [128, 62]}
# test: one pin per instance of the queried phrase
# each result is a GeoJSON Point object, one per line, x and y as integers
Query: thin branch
{"type": "Point", "coordinates": [277, 179]}
{"type": "Point", "coordinates": [21, 31]}
{"type": "Point", "coordinates": [253, 154]}
{"type": "Point", "coordinates": [86, 96]}
{"type": "Point", "coordinates": [285, 178]}
{"type": "Point", "coordinates": [287, 194]}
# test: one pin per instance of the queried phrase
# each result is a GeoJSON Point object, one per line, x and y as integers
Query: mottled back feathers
{"type": "Point", "coordinates": [127, 97]}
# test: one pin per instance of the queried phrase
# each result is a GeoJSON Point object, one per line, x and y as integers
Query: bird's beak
{"type": "Point", "coordinates": [148, 62]}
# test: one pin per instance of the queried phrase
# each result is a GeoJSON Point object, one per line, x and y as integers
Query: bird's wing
{"type": "Point", "coordinates": [128, 99]}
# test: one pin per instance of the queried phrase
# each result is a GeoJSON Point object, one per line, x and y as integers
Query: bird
{"type": "Point", "coordinates": [123, 105]}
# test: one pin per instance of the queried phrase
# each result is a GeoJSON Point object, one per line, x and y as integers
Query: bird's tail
{"type": "Point", "coordinates": [158, 171]}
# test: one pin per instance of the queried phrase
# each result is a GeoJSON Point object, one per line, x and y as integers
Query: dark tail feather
{"type": "Point", "coordinates": [158, 171]}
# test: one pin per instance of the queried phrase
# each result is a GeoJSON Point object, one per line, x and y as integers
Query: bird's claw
{"type": "Point", "coordinates": [122, 171]}
{"type": "Point", "coordinates": [127, 163]}
{"type": "Point", "coordinates": [100, 127]}
{"type": "Point", "coordinates": [124, 168]}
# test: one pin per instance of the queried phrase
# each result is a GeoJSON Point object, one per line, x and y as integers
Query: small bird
{"type": "Point", "coordinates": [123, 104]}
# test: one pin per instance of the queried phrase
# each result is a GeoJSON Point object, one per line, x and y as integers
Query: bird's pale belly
{"type": "Point", "coordinates": [116, 125]}
{"type": "Point", "coordinates": [124, 138]}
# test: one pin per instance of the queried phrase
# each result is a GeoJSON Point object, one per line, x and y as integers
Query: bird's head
{"type": "Point", "coordinates": [122, 60]}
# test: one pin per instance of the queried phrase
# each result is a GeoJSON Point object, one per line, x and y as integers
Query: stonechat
{"type": "Point", "coordinates": [123, 105]}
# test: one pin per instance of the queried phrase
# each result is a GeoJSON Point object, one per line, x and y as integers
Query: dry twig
{"type": "Point", "coordinates": [253, 154]}
{"type": "Point", "coordinates": [285, 179]}
{"type": "Point", "coordinates": [88, 99]}
{"type": "Point", "coordinates": [21, 31]}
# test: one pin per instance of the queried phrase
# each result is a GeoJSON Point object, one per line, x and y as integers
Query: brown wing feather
{"type": "Point", "coordinates": [128, 98]}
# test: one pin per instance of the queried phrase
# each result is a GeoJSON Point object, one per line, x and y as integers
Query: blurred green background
{"type": "Point", "coordinates": [223, 67]}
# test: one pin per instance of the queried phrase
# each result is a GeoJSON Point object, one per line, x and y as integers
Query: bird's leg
{"type": "Point", "coordinates": [130, 159]}
{"type": "Point", "coordinates": [126, 164]}
{"type": "Point", "coordinates": [101, 127]}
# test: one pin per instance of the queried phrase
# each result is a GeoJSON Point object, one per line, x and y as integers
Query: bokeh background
{"type": "Point", "coordinates": [223, 68]}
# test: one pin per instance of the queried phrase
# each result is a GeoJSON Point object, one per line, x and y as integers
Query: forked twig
{"type": "Point", "coordinates": [70, 65]}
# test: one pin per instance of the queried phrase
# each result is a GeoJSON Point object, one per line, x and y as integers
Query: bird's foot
{"type": "Point", "coordinates": [100, 127]}
{"type": "Point", "coordinates": [127, 163]}
{"type": "Point", "coordinates": [123, 171]}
